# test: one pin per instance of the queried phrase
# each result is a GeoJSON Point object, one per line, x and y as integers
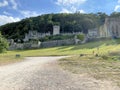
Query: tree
{"type": "Point", "coordinates": [115, 14]}
{"type": "Point", "coordinates": [72, 22]}
{"type": "Point", "coordinates": [102, 17]}
{"type": "Point", "coordinates": [3, 44]}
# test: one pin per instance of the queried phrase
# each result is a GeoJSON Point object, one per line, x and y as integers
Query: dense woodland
{"type": "Point", "coordinates": [73, 22]}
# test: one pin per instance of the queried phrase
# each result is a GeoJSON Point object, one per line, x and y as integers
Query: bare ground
{"type": "Point", "coordinates": [43, 73]}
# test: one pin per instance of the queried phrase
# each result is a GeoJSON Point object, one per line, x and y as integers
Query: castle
{"type": "Point", "coordinates": [111, 28]}
{"type": "Point", "coordinates": [32, 34]}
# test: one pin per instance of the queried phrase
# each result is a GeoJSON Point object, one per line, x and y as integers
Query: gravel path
{"type": "Point", "coordinates": [43, 73]}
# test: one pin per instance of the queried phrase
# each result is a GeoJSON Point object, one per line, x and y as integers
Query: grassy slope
{"type": "Point", "coordinates": [104, 47]}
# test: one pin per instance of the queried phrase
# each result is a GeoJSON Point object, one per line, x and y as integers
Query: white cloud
{"type": "Point", "coordinates": [6, 13]}
{"type": "Point", "coordinates": [27, 13]}
{"type": "Point", "coordinates": [70, 6]}
{"type": "Point", "coordinates": [81, 11]}
{"type": "Point", "coordinates": [69, 2]}
{"type": "Point", "coordinates": [7, 19]}
{"type": "Point", "coordinates": [118, 1]}
{"type": "Point", "coordinates": [64, 10]}
{"type": "Point", "coordinates": [7, 2]}
{"type": "Point", "coordinates": [14, 4]}
{"type": "Point", "coordinates": [73, 9]}
{"type": "Point", "coordinates": [117, 7]}
{"type": "Point", "coordinates": [70, 10]}
{"type": "Point", "coordinates": [4, 3]}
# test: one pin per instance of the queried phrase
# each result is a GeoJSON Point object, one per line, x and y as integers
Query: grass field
{"type": "Point", "coordinates": [104, 66]}
{"type": "Point", "coordinates": [88, 48]}
{"type": "Point", "coordinates": [97, 67]}
{"type": "Point", "coordinates": [7, 58]}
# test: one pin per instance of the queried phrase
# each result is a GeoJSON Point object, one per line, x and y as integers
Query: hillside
{"type": "Point", "coordinates": [75, 22]}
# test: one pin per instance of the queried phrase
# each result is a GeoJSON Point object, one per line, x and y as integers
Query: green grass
{"type": "Point", "coordinates": [104, 47]}
{"type": "Point", "coordinates": [7, 58]}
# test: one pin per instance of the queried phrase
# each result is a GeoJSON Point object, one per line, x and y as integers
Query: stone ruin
{"type": "Point", "coordinates": [56, 30]}
{"type": "Point", "coordinates": [31, 40]}
{"type": "Point", "coordinates": [34, 35]}
{"type": "Point", "coordinates": [110, 29]}
{"type": "Point", "coordinates": [93, 33]}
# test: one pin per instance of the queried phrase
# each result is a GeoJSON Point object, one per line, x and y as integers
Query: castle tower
{"type": "Point", "coordinates": [56, 30]}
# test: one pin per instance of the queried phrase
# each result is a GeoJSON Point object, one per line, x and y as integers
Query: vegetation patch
{"type": "Point", "coordinates": [72, 22]}
{"type": "Point", "coordinates": [3, 44]}
{"type": "Point", "coordinates": [57, 37]}
{"type": "Point", "coordinates": [102, 67]}
{"type": "Point", "coordinates": [7, 59]}
{"type": "Point", "coordinates": [81, 37]}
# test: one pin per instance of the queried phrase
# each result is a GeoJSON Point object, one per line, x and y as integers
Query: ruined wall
{"type": "Point", "coordinates": [42, 44]}
{"type": "Point", "coordinates": [104, 31]}
{"type": "Point", "coordinates": [16, 46]}
{"type": "Point", "coordinates": [93, 33]}
{"type": "Point", "coordinates": [114, 26]}
{"type": "Point", "coordinates": [58, 43]}
{"type": "Point", "coordinates": [111, 28]}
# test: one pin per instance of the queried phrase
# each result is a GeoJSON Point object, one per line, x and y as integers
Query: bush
{"type": "Point", "coordinates": [3, 44]}
{"type": "Point", "coordinates": [81, 37]}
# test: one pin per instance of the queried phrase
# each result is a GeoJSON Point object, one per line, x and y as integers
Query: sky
{"type": "Point", "coordinates": [15, 10]}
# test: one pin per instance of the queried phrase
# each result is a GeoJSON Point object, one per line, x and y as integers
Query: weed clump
{"type": "Point", "coordinates": [104, 57]}
{"type": "Point", "coordinates": [17, 55]}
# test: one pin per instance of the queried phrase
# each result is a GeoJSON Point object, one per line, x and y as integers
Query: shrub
{"type": "Point", "coordinates": [3, 44]}
{"type": "Point", "coordinates": [81, 37]}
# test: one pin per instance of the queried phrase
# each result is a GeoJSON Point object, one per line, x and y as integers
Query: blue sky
{"type": "Point", "coordinates": [15, 10]}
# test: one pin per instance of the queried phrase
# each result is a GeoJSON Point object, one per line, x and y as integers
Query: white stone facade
{"type": "Point", "coordinates": [56, 30]}
{"type": "Point", "coordinates": [111, 28]}
{"type": "Point", "coordinates": [93, 33]}
{"type": "Point", "coordinates": [35, 35]}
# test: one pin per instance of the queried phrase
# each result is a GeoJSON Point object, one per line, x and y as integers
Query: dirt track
{"type": "Point", "coordinates": [43, 73]}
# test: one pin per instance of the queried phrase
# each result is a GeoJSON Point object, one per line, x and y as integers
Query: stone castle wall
{"type": "Point", "coordinates": [42, 44]}
{"type": "Point", "coordinates": [111, 28]}
{"type": "Point", "coordinates": [58, 43]}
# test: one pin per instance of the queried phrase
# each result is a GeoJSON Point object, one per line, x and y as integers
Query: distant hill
{"type": "Point", "coordinates": [75, 22]}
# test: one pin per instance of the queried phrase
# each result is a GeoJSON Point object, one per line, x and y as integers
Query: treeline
{"type": "Point", "coordinates": [75, 22]}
